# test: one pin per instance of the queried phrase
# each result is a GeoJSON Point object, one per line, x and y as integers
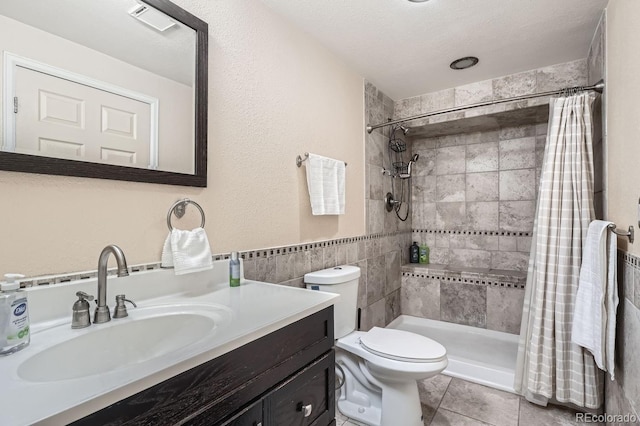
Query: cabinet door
{"type": "Point", "coordinates": [307, 398]}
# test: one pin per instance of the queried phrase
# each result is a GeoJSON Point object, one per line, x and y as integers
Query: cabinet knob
{"type": "Point", "coordinates": [306, 409]}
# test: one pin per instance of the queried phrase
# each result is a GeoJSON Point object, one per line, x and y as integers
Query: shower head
{"type": "Point", "coordinates": [409, 166]}
{"type": "Point", "coordinates": [404, 129]}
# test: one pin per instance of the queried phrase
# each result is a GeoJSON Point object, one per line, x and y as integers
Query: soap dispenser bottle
{"type": "Point", "coordinates": [234, 270]}
{"type": "Point", "coordinates": [14, 316]}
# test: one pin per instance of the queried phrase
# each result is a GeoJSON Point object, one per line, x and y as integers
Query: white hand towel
{"type": "Point", "coordinates": [326, 182]}
{"type": "Point", "coordinates": [594, 317]}
{"type": "Point", "coordinates": [167, 256]}
{"type": "Point", "coordinates": [187, 251]}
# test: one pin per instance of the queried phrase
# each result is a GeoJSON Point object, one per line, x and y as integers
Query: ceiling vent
{"type": "Point", "coordinates": [152, 17]}
{"type": "Point", "coordinates": [464, 63]}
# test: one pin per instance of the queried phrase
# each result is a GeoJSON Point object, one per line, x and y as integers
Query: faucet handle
{"type": "Point", "coordinates": [120, 311]}
{"type": "Point", "coordinates": [80, 313]}
{"type": "Point", "coordinates": [84, 296]}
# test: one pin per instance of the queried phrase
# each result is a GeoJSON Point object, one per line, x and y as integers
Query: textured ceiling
{"type": "Point", "coordinates": [405, 48]}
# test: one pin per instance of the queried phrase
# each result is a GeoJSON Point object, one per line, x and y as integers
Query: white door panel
{"type": "Point", "coordinates": [64, 119]}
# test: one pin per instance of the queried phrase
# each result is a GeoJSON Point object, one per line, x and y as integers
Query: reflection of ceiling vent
{"type": "Point", "coordinates": [152, 17]}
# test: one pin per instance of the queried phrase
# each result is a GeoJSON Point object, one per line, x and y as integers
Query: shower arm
{"type": "Point", "coordinates": [598, 87]}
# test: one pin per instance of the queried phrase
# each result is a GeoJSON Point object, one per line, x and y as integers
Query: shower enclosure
{"type": "Point", "coordinates": [473, 195]}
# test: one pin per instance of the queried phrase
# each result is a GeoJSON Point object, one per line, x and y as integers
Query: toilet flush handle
{"type": "Point", "coordinates": [306, 409]}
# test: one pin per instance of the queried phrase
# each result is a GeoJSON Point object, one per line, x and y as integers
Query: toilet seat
{"type": "Point", "coordinates": [402, 345]}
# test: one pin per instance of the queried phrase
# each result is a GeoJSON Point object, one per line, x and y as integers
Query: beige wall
{"type": "Point", "coordinates": [274, 93]}
{"type": "Point", "coordinates": [623, 116]}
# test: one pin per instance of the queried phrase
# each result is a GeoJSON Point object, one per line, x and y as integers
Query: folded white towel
{"type": "Point", "coordinates": [167, 255]}
{"type": "Point", "coordinates": [326, 182]}
{"type": "Point", "coordinates": [187, 251]}
{"type": "Point", "coordinates": [594, 317]}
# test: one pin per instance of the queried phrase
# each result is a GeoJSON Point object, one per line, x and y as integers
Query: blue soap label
{"type": "Point", "coordinates": [315, 287]}
{"type": "Point", "coordinates": [20, 309]}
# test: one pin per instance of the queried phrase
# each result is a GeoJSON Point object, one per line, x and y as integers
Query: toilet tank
{"type": "Point", "coordinates": [342, 280]}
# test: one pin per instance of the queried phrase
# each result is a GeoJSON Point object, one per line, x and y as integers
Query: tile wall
{"type": "Point", "coordinates": [474, 196]}
{"type": "Point", "coordinates": [475, 193]}
{"type": "Point", "coordinates": [540, 80]}
{"type": "Point", "coordinates": [622, 396]}
{"type": "Point", "coordinates": [467, 296]}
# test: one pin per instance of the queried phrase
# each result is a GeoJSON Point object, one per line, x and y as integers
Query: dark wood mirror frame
{"type": "Point", "coordinates": [11, 161]}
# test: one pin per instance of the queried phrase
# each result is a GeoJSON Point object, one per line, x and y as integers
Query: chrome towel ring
{"type": "Point", "coordinates": [178, 208]}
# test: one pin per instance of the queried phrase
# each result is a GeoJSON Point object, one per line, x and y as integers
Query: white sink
{"type": "Point", "coordinates": [147, 333]}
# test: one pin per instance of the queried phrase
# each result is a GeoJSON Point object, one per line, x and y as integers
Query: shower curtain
{"type": "Point", "coordinates": [550, 366]}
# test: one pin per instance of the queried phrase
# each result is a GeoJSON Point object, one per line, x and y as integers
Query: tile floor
{"type": "Point", "coordinates": [448, 401]}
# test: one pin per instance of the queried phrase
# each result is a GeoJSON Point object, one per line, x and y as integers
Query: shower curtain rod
{"type": "Point", "coordinates": [598, 87]}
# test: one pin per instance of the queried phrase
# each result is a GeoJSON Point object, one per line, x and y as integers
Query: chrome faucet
{"type": "Point", "coordinates": [102, 313]}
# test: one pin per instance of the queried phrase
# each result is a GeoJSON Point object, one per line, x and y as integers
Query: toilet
{"type": "Point", "coordinates": [381, 366]}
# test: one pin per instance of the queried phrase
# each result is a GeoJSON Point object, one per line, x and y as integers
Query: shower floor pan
{"type": "Point", "coordinates": [475, 354]}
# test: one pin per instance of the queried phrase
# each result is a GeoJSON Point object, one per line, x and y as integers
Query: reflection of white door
{"type": "Point", "coordinates": [60, 118]}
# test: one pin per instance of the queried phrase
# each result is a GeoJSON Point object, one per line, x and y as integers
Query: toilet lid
{"type": "Point", "coordinates": [402, 345]}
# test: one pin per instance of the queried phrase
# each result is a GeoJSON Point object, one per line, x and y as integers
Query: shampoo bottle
{"type": "Point", "coordinates": [414, 256]}
{"type": "Point", "coordinates": [14, 316]}
{"type": "Point", "coordinates": [234, 270]}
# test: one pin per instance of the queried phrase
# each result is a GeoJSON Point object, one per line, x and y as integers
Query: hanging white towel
{"type": "Point", "coordinates": [326, 182]}
{"type": "Point", "coordinates": [594, 317]}
{"type": "Point", "coordinates": [187, 251]}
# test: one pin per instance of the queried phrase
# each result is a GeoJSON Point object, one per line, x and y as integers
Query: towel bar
{"type": "Point", "coordinates": [178, 208]}
{"type": "Point", "coordinates": [628, 234]}
{"type": "Point", "coordinates": [300, 160]}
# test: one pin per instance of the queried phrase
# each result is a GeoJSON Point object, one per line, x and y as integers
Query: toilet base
{"type": "Point", "coordinates": [398, 411]}
{"type": "Point", "coordinates": [401, 405]}
{"type": "Point", "coordinates": [366, 415]}
{"type": "Point", "coordinates": [354, 400]}
{"type": "Point", "coordinates": [368, 401]}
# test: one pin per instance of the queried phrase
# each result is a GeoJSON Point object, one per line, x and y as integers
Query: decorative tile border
{"type": "Point", "coordinates": [250, 254]}
{"type": "Point", "coordinates": [629, 269]}
{"type": "Point", "coordinates": [284, 250]}
{"type": "Point", "coordinates": [484, 279]}
{"type": "Point", "coordinates": [629, 258]}
{"type": "Point", "coordinates": [85, 275]}
{"type": "Point", "coordinates": [489, 279]}
{"type": "Point", "coordinates": [473, 232]}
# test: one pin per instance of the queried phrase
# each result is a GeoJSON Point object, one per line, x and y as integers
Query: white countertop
{"type": "Point", "coordinates": [256, 309]}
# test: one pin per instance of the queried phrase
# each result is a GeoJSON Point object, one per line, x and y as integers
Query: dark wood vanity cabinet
{"type": "Point", "coordinates": [285, 378]}
{"type": "Point", "coordinates": [303, 399]}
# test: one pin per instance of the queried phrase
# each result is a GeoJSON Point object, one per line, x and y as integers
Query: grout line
{"type": "Point", "coordinates": [470, 418]}
{"type": "Point", "coordinates": [474, 418]}
{"type": "Point", "coordinates": [443, 394]}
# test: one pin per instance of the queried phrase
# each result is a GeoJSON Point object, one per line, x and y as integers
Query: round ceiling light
{"type": "Point", "coordinates": [464, 63]}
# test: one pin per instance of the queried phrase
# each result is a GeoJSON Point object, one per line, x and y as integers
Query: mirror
{"type": "Point", "coordinates": [112, 89]}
